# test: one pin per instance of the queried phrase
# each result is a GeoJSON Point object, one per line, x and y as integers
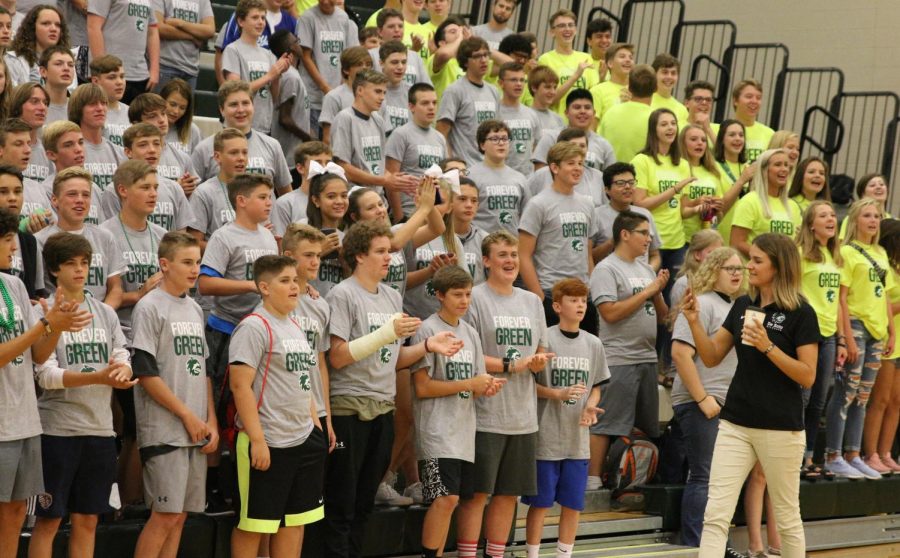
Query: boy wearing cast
{"type": "Point", "coordinates": [107, 72]}
{"type": "Point", "coordinates": [264, 155]}
{"type": "Point", "coordinates": [415, 146]}
{"type": "Point", "coordinates": [26, 339]}
{"type": "Point", "coordinates": [210, 204]}
{"type": "Point", "coordinates": [568, 393]}
{"type": "Point", "coordinates": [136, 236]}
{"type": "Point", "coordinates": [556, 229]}
{"type": "Point", "coordinates": [510, 324]}
{"type": "Point", "coordinates": [176, 419]}
{"type": "Point", "coordinates": [444, 407]}
{"type": "Point", "coordinates": [628, 297]}
{"type": "Point", "coordinates": [144, 142]}
{"type": "Point", "coordinates": [502, 191]}
{"type": "Point", "coordinates": [280, 448]}
{"type": "Point", "coordinates": [72, 191]}
{"type": "Point", "coordinates": [78, 446]}
{"type": "Point", "coordinates": [304, 244]}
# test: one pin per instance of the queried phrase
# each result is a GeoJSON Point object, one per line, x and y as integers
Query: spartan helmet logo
{"type": "Point", "coordinates": [569, 402]}
{"type": "Point", "coordinates": [465, 394]}
{"type": "Point", "coordinates": [429, 288]}
{"type": "Point", "coordinates": [513, 352]}
{"type": "Point", "coordinates": [193, 367]}
{"type": "Point", "coordinates": [829, 296]}
{"type": "Point", "coordinates": [505, 218]}
{"type": "Point", "coordinates": [384, 355]}
{"type": "Point", "coordinates": [304, 381]}
{"type": "Point", "coordinates": [376, 169]}
{"type": "Point", "coordinates": [879, 291]}
{"type": "Point", "coordinates": [333, 60]}
{"type": "Point", "coordinates": [578, 244]}
{"type": "Point", "coordinates": [520, 148]}
{"type": "Point", "coordinates": [87, 369]}
{"type": "Point", "coordinates": [673, 203]}
{"type": "Point", "coordinates": [18, 360]}
{"type": "Point", "coordinates": [140, 24]}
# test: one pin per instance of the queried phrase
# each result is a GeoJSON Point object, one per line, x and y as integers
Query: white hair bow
{"type": "Point", "coordinates": [451, 177]}
{"type": "Point", "coordinates": [315, 169]}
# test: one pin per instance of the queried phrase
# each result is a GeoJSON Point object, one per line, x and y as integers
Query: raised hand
{"type": "Point", "coordinates": [406, 325]}
{"type": "Point", "coordinates": [444, 343]}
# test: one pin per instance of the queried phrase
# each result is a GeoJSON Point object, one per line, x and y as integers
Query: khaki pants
{"type": "Point", "coordinates": [738, 448]}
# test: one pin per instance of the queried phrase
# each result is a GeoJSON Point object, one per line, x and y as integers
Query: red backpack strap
{"type": "Point", "coordinates": [262, 389]}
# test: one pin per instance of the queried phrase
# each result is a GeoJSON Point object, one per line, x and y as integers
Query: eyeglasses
{"type": "Point", "coordinates": [497, 140]}
{"type": "Point", "coordinates": [702, 100]}
{"type": "Point", "coordinates": [570, 25]}
{"type": "Point", "coordinates": [645, 232]}
{"type": "Point", "coordinates": [623, 183]}
{"type": "Point", "coordinates": [733, 269]}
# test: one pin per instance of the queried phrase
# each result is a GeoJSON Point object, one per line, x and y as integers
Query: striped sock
{"type": "Point", "coordinates": [495, 550]}
{"type": "Point", "coordinates": [563, 550]}
{"type": "Point", "coordinates": [532, 550]}
{"type": "Point", "coordinates": [466, 549]}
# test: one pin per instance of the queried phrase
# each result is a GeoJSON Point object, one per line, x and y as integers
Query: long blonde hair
{"type": "Point", "coordinates": [760, 183]}
{"type": "Point", "coordinates": [701, 240]}
{"type": "Point", "coordinates": [704, 279]}
{"type": "Point", "coordinates": [853, 216]}
{"type": "Point", "coordinates": [785, 258]}
{"type": "Point", "coordinates": [706, 161]}
{"type": "Point", "coordinates": [806, 239]}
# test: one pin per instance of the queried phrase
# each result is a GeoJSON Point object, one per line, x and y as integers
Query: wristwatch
{"type": "Point", "coordinates": [47, 329]}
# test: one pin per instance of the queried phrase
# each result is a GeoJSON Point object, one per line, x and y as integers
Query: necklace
{"type": "Point", "coordinates": [9, 323]}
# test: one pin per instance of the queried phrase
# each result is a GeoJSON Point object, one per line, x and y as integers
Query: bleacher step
{"type": "Point", "coordinates": [594, 501]}
{"type": "Point", "coordinates": [597, 524]}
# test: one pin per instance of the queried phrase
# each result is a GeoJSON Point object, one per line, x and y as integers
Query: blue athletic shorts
{"type": "Point", "coordinates": [562, 481]}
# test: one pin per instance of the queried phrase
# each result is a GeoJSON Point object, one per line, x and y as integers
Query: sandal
{"type": "Point", "coordinates": [811, 472]}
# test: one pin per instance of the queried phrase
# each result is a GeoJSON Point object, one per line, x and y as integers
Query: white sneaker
{"type": "Point", "coordinates": [593, 483]}
{"type": "Point", "coordinates": [414, 491]}
{"type": "Point", "coordinates": [842, 469]}
{"type": "Point", "coordinates": [868, 472]}
{"type": "Point", "coordinates": [387, 495]}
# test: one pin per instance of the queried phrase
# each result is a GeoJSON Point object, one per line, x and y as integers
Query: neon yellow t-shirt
{"type": "Point", "coordinates": [865, 293]}
{"type": "Point", "coordinates": [707, 184]}
{"type": "Point", "coordinates": [730, 173]}
{"type": "Point", "coordinates": [671, 103]}
{"type": "Point", "coordinates": [625, 127]}
{"type": "Point", "coordinates": [656, 179]}
{"type": "Point", "coordinates": [565, 66]}
{"type": "Point", "coordinates": [894, 297]}
{"type": "Point", "coordinates": [446, 77]}
{"type": "Point", "coordinates": [756, 140]}
{"type": "Point", "coordinates": [820, 283]}
{"type": "Point", "coordinates": [748, 214]}
{"type": "Point", "coordinates": [303, 5]}
{"type": "Point", "coordinates": [801, 202]}
{"type": "Point", "coordinates": [606, 95]}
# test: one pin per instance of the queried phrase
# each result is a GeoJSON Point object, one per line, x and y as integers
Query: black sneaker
{"type": "Point", "coordinates": [732, 553]}
{"type": "Point", "coordinates": [216, 505]}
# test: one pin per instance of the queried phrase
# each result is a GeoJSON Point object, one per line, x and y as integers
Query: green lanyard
{"type": "Point", "coordinates": [8, 323]}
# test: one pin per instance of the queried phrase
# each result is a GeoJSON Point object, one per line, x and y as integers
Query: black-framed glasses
{"type": "Point", "coordinates": [733, 269]}
{"type": "Point", "coordinates": [497, 140]}
{"type": "Point", "coordinates": [623, 183]}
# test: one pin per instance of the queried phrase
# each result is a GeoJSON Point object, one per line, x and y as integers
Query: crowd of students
{"type": "Point", "coordinates": [418, 249]}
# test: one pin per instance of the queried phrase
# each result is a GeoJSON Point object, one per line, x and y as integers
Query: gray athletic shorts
{"type": "Point", "coordinates": [630, 399]}
{"type": "Point", "coordinates": [175, 481]}
{"type": "Point", "coordinates": [21, 475]}
{"type": "Point", "coordinates": [505, 464]}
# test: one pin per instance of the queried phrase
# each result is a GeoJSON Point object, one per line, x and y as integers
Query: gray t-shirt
{"type": "Point", "coordinates": [173, 140]}
{"type": "Point", "coordinates": [417, 149]}
{"type": "Point", "coordinates": [313, 316]}
{"type": "Point", "coordinates": [524, 130]}
{"type": "Point", "coordinates": [140, 251]}
{"type": "Point", "coordinates": [19, 417]}
{"type": "Point", "coordinates": [467, 105]}
{"type": "Point", "coordinates": [116, 124]}
{"type": "Point", "coordinates": [171, 329]}
{"type": "Point", "coordinates": [716, 380]}
{"type": "Point", "coordinates": [327, 36]}
{"type": "Point", "coordinates": [510, 326]}
{"type": "Point", "coordinates": [282, 382]}
{"type": "Point", "coordinates": [125, 32]}
{"type": "Point", "coordinates": [631, 340]}
{"type": "Point", "coordinates": [416, 72]}
{"type": "Point", "coordinates": [173, 163]}
{"type": "Point", "coordinates": [356, 312]}
{"type": "Point", "coordinates": [75, 20]}
{"type": "Point", "coordinates": [102, 160]}
{"type": "Point", "coordinates": [231, 251]}
{"type": "Point", "coordinates": [591, 184]}
{"type": "Point", "coordinates": [335, 101]}
{"type": "Point", "coordinates": [211, 207]}
{"type": "Point", "coordinates": [471, 243]}
{"type": "Point", "coordinates": [420, 301]}
{"type": "Point", "coordinates": [581, 360]}
{"type": "Point", "coordinates": [55, 113]}
{"type": "Point", "coordinates": [37, 198]}
{"type": "Point", "coordinates": [39, 165]}
{"type": "Point", "coordinates": [173, 211]}
{"type": "Point", "coordinates": [264, 156]}
{"type": "Point", "coordinates": [291, 88]}
{"type": "Point", "coordinates": [493, 38]}
{"type": "Point", "coordinates": [289, 208]}
{"type": "Point", "coordinates": [395, 108]}
{"type": "Point", "coordinates": [600, 153]}
{"type": "Point", "coordinates": [106, 260]}
{"type": "Point", "coordinates": [181, 54]}
{"type": "Point", "coordinates": [502, 196]}
{"type": "Point", "coordinates": [331, 271]}
{"type": "Point", "coordinates": [445, 426]}
{"type": "Point", "coordinates": [359, 140]}
{"type": "Point", "coordinates": [550, 120]}
{"type": "Point", "coordinates": [83, 411]}
{"type": "Point", "coordinates": [605, 216]}
{"type": "Point", "coordinates": [562, 226]}
{"type": "Point", "coordinates": [251, 62]}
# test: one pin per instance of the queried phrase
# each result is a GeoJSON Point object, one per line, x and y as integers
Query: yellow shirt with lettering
{"type": "Point", "coordinates": [707, 184]}
{"type": "Point", "coordinates": [756, 140]}
{"type": "Point", "coordinates": [820, 283]}
{"type": "Point", "coordinates": [865, 294]}
{"type": "Point", "coordinates": [655, 179]}
{"type": "Point", "coordinates": [749, 214]}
